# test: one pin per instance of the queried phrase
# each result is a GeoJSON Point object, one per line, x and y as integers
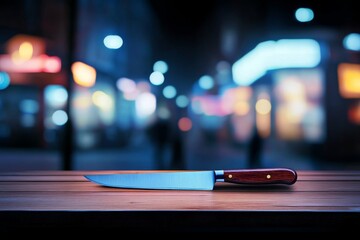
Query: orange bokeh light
{"type": "Point", "coordinates": [84, 75]}
{"type": "Point", "coordinates": [349, 80]}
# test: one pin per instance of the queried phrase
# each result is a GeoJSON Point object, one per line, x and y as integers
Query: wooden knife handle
{"type": "Point", "coordinates": [261, 176]}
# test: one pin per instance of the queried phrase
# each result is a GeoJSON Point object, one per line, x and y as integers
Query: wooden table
{"type": "Point", "coordinates": [54, 200]}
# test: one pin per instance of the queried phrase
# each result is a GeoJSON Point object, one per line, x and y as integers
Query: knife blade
{"type": "Point", "coordinates": [194, 180]}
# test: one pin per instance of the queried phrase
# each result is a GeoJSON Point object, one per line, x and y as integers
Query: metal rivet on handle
{"type": "Point", "coordinates": [230, 176]}
{"type": "Point", "coordinates": [268, 176]}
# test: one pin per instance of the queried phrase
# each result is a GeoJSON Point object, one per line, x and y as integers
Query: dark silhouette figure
{"type": "Point", "coordinates": [255, 150]}
{"type": "Point", "coordinates": [177, 158]}
{"type": "Point", "coordinates": [66, 143]}
{"type": "Point", "coordinates": [160, 135]}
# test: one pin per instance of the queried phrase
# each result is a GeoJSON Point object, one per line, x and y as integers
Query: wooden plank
{"type": "Point", "coordinates": [329, 172]}
{"type": "Point", "coordinates": [70, 186]}
{"type": "Point", "coordinates": [43, 178]}
{"type": "Point", "coordinates": [329, 178]}
{"type": "Point", "coordinates": [175, 200]}
{"type": "Point", "coordinates": [318, 201]}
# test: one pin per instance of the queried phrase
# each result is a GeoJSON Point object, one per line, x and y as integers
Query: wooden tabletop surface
{"type": "Point", "coordinates": [319, 200]}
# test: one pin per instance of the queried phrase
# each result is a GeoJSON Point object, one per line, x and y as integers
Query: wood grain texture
{"type": "Point", "coordinates": [43, 196]}
{"type": "Point", "coordinates": [69, 190]}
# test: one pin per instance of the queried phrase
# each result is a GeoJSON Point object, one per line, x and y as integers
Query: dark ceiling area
{"type": "Point", "coordinates": [198, 25]}
{"type": "Point", "coordinates": [186, 17]}
{"type": "Point", "coordinates": [182, 17]}
{"type": "Point", "coordinates": [177, 14]}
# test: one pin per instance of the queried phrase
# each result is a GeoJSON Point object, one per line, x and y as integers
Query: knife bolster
{"type": "Point", "coordinates": [219, 175]}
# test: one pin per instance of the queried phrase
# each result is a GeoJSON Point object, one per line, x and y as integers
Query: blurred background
{"type": "Point", "coordinates": [156, 84]}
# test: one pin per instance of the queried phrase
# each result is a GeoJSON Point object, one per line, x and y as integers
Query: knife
{"type": "Point", "coordinates": [194, 180]}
